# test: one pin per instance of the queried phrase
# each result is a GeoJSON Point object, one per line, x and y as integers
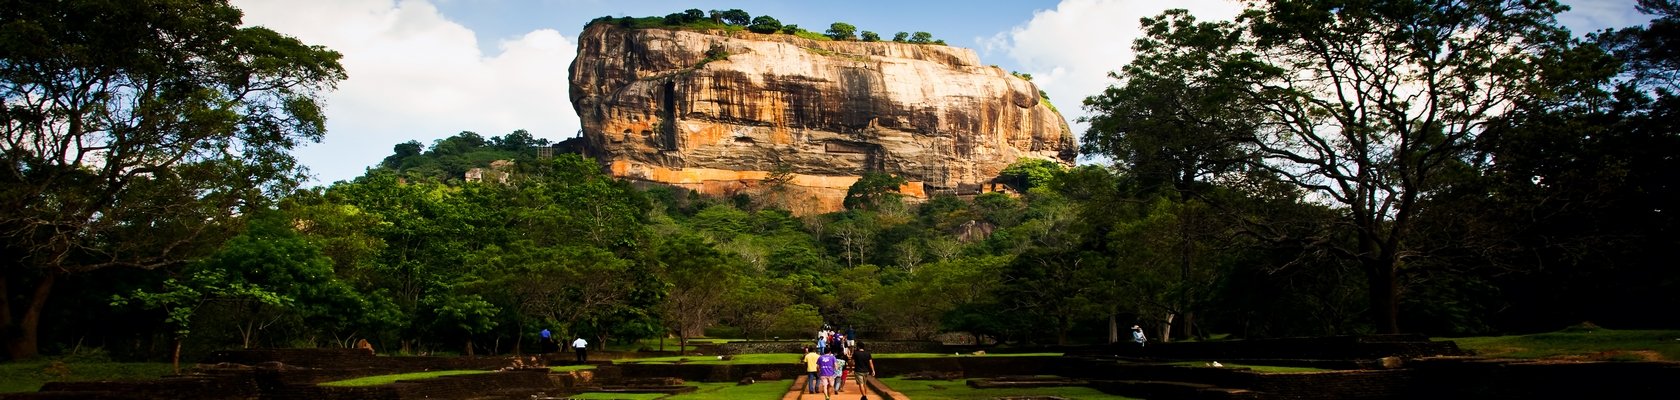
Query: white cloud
{"type": "Point", "coordinates": [416, 75]}
{"type": "Point", "coordinates": [1587, 16]}
{"type": "Point", "coordinates": [1070, 50]}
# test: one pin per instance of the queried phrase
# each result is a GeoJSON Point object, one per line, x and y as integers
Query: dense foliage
{"type": "Point", "coordinates": [137, 134]}
{"type": "Point", "coordinates": [736, 20]}
{"type": "Point", "coordinates": [1245, 198]}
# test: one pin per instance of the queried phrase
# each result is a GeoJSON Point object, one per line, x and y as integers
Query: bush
{"type": "Point", "coordinates": [765, 24]}
{"type": "Point", "coordinates": [841, 31]}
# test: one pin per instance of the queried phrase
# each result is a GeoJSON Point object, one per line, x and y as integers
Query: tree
{"type": "Point", "coordinates": [1172, 124]}
{"type": "Point", "coordinates": [765, 24]}
{"type": "Point", "coordinates": [267, 270]}
{"type": "Point", "coordinates": [871, 36]}
{"type": "Point", "coordinates": [1372, 105]}
{"type": "Point", "coordinates": [901, 37]}
{"type": "Point", "coordinates": [1028, 173]}
{"type": "Point", "coordinates": [701, 279]}
{"type": "Point", "coordinates": [841, 31]}
{"type": "Point", "coordinates": [735, 16]}
{"type": "Point", "coordinates": [181, 299]}
{"type": "Point", "coordinates": [871, 189]}
{"type": "Point", "coordinates": [673, 19]}
{"type": "Point", "coordinates": [1177, 128]}
{"type": "Point", "coordinates": [920, 38]}
{"type": "Point", "coordinates": [1054, 286]}
{"type": "Point", "coordinates": [136, 132]}
{"type": "Point", "coordinates": [1652, 52]}
{"type": "Point", "coordinates": [693, 15]}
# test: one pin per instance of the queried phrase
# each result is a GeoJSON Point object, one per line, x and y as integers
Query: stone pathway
{"type": "Point", "coordinates": [853, 390]}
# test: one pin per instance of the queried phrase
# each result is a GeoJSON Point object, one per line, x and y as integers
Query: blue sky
{"type": "Point", "coordinates": [428, 69]}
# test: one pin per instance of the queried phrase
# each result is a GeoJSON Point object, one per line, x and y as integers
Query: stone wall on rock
{"type": "Point", "coordinates": [720, 112]}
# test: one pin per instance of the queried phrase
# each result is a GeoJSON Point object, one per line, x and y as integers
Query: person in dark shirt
{"type": "Point", "coordinates": [862, 363]}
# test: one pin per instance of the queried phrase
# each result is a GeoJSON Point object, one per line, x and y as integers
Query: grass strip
{"type": "Point", "coordinates": [765, 390]}
{"type": "Point", "coordinates": [24, 377]}
{"type": "Point", "coordinates": [1584, 343]}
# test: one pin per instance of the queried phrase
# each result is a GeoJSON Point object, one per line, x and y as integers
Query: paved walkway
{"type": "Point", "coordinates": [851, 391]}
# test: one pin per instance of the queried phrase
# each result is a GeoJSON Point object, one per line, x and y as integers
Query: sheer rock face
{"type": "Point", "coordinates": [718, 111]}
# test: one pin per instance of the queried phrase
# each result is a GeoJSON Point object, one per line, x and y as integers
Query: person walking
{"type": "Point", "coordinates": [843, 366]}
{"type": "Point", "coordinates": [862, 363]}
{"type": "Point", "coordinates": [810, 361]}
{"type": "Point", "coordinates": [822, 342]}
{"type": "Point", "coordinates": [547, 341]}
{"type": "Point", "coordinates": [582, 347]}
{"type": "Point", "coordinates": [826, 367]}
{"type": "Point", "coordinates": [1137, 336]}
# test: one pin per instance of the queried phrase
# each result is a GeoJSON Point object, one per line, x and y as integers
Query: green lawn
{"type": "Point", "coordinates": [766, 390]}
{"type": "Point", "coordinates": [384, 379]}
{"type": "Point", "coordinates": [1586, 343]}
{"type": "Point", "coordinates": [29, 376]}
{"type": "Point", "coordinates": [959, 390]}
{"type": "Point", "coordinates": [570, 368]}
{"type": "Point", "coordinates": [1266, 369]}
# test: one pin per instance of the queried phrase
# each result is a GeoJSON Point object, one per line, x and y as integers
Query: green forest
{"type": "Point", "coordinates": [1449, 168]}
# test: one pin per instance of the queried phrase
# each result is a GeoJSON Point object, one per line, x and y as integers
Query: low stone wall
{"type": "Point", "coordinates": [349, 359]}
{"type": "Point", "coordinates": [705, 372]}
{"type": "Point", "coordinates": [968, 366]}
{"type": "Point", "coordinates": [1315, 348]}
{"type": "Point", "coordinates": [178, 387]}
{"type": "Point", "coordinates": [294, 374]}
{"type": "Point", "coordinates": [1483, 378]}
{"type": "Point", "coordinates": [797, 346]}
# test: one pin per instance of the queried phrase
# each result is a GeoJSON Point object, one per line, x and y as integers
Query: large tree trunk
{"type": "Point", "coordinates": [1166, 328]}
{"type": "Point", "coordinates": [175, 360]}
{"type": "Point", "coordinates": [6, 312]}
{"type": "Point", "coordinates": [1113, 329]}
{"type": "Point", "coordinates": [1384, 295]}
{"type": "Point", "coordinates": [1063, 325]}
{"type": "Point", "coordinates": [21, 339]}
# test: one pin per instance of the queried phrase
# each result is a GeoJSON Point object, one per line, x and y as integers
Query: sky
{"type": "Point", "coordinates": [428, 69]}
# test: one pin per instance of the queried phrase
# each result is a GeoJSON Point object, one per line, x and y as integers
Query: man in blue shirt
{"type": "Point", "coordinates": [547, 341]}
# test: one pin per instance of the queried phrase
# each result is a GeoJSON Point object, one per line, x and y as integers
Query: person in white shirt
{"type": "Point", "coordinates": [582, 347]}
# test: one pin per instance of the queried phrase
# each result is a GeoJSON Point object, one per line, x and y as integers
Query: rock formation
{"type": "Point", "coordinates": [722, 112]}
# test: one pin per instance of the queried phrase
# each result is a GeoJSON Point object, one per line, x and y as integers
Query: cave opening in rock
{"type": "Point", "coordinates": [667, 116]}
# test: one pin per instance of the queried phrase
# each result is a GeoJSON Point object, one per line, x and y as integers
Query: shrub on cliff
{"type": "Point", "coordinates": [841, 31]}
{"type": "Point", "coordinates": [765, 24]}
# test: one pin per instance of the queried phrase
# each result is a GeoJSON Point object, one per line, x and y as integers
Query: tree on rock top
{"type": "Point", "coordinates": [765, 24]}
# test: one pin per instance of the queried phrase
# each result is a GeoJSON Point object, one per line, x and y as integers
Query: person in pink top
{"type": "Point", "coordinates": [826, 368]}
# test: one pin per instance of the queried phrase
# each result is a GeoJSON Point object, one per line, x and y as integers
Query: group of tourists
{"type": "Point", "coordinates": [835, 358]}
